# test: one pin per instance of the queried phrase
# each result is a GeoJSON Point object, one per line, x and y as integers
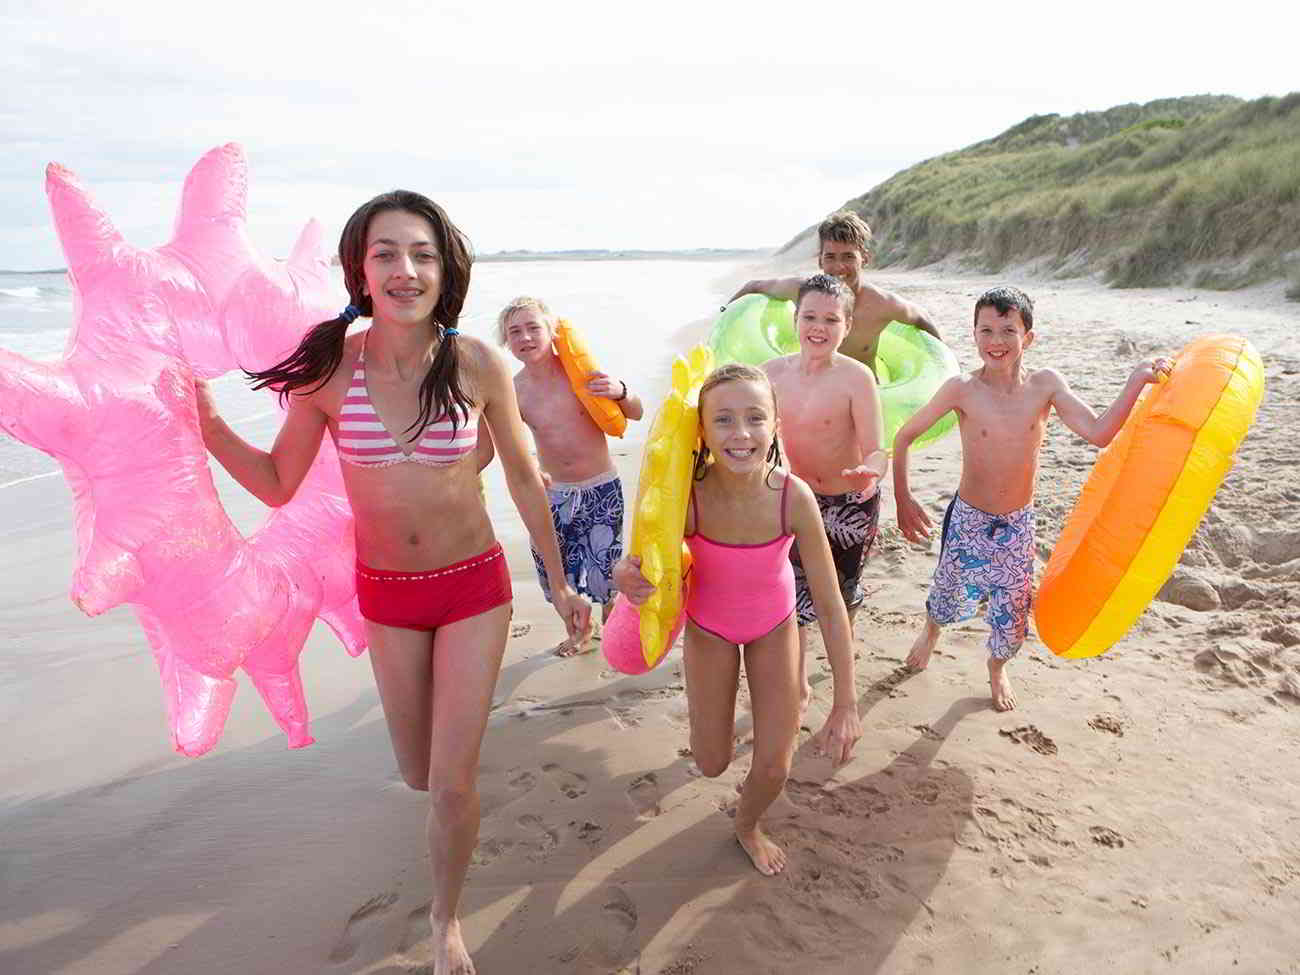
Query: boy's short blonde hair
{"type": "Point", "coordinates": [845, 227]}
{"type": "Point", "coordinates": [519, 304]}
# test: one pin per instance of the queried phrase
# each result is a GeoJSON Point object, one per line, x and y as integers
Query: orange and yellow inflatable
{"type": "Point", "coordinates": [578, 366]}
{"type": "Point", "coordinates": [1145, 496]}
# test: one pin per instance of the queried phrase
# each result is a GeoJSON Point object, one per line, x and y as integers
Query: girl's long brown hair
{"type": "Point", "coordinates": [321, 350]}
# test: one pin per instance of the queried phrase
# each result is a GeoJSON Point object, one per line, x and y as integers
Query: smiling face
{"type": "Point", "coordinates": [1001, 339]}
{"type": "Point", "coordinates": [821, 322]}
{"type": "Point", "coordinates": [738, 424]}
{"type": "Point", "coordinates": [529, 334]}
{"type": "Point", "coordinates": [402, 267]}
{"type": "Point", "coordinates": [843, 260]}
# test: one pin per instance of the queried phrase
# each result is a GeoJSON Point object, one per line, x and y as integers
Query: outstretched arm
{"type": "Point", "coordinates": [273, 478]}
{"type": "Point", "coordinates": [870, 428]}
{"type": "Point", "coordinates": [786, 288]}
{"type": "Point", "coordinates": [913, 522]}
{"type": "Point", "coordinates": [901, 310]}
{"type": "Point", "coordinates": [1101, 430]}
{"type": "Point", "coordinates": [525, 484]}
{"type": "Point", "coordinates": [842, 728]}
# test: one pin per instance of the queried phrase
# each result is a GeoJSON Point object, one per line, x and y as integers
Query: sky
{"type": "Point", "coordinates": [571, 124]}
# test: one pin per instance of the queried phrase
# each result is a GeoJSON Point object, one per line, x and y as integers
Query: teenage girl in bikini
{"type": "Point", "coordinates": [402, 401]}
{"type": "Point", "coordinates": [744, 513]}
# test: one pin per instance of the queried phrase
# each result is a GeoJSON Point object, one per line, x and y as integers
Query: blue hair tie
{"type": "Point", "coordinates": [451, 331]}
{"type": "Point", "coordinates": [350, 314]}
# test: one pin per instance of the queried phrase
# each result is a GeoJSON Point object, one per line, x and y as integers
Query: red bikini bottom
{"type": "Point", "coordinates": [428, 600]}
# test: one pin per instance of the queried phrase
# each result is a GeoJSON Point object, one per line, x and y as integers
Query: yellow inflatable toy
{"type": "Point", "coordinates": [578, 366]}
{"type": "Point", "coordinates": [664, 488]}
{"type": "Point", "coordinates": [1145, 496]}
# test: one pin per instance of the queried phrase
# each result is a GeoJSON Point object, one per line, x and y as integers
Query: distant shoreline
{"type": "Point", "coordinates": [695, 254]}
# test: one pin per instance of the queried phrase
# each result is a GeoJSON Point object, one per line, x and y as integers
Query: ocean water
{"type": "Point", "coordinates": [634, 315]}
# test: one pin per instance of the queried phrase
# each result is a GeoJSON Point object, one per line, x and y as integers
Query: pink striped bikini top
{"type": "Point", "coordinates": [364, 441]}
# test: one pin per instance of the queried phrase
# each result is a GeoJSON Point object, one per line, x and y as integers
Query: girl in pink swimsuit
{"type": "Point", "coordinates": [402, 402]}
{"type": "Point", "coordinates": [745, 512]}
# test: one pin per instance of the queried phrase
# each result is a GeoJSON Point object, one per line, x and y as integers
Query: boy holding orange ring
{"type": "Point", "coordinates": [987, 539]}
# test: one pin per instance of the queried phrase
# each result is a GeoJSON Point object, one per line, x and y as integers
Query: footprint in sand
{"type": "Point", "coordinates": [542, 840]}
{"type": "Point", "coordinates": [644, 796]}
{"type": "Point", "coordinates": [1104, 722]}
{"type": "Point", "coordinates": [572, 784]}
{"type": "Point", "coordinates": [606, 944]}
{"type": "Point", "coordinates": [416, 932]}
{"type": "Point", "coordinates": [364, 917]}
{"type": "Point", "coordinates": [1105, 836]}
{"type": "Point", "coordinates": [1031, 736]}
{"type": "Point", "coordinates": [587, 831]}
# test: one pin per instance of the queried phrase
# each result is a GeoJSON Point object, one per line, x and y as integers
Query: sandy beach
{"type": "Point", "coordinates": [1139, 812]}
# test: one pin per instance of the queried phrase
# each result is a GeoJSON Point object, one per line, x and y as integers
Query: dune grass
{"type": "Point", "coordinates": [1202, 190]}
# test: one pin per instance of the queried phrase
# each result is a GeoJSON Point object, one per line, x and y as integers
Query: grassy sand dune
{"type": "Point", "coordinates": [1203, 190]}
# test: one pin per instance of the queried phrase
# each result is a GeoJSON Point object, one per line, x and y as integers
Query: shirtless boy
{"type": "Point", "coordinates": [844, 249]}
{"type": "Point", "coordinates": [987, 540]}
{"type": "Point", "coordinates": [584, 489]}
{"type": "Point", "coordinates": [832, 432]}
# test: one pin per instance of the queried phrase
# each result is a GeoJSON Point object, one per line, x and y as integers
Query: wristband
{"type": "Point", "coordinates": [623, 395]}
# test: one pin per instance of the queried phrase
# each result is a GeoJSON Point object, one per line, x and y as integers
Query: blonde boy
{"type": "Point", "coordinates": [987, 540]}
{"type": "Point", "coordinates": [832, 432]}
{"type": "Point", "coordinates": [584, 490]}
{"type": "Point", "coordinates": [843, 250]}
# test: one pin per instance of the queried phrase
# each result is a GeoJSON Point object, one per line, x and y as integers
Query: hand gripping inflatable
{"type": "Point", "coordinates": [1146, 495]}
{"type": "Point", "coordinates": [659, 516]}
{"type": "Point", "coordinates": [578, 366]}
{"type": "Point", "coordinates": [118, 413]}
{"type": "Point", "coordinates": [621, 639]}
{"type": "Point", "coordinates": [910, 364]}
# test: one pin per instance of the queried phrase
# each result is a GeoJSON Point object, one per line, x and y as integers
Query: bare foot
{"type": "Point", "coordinates": [769, 859]}
{"type": "Point", "coordinates": [449, 954]}
{"type": "Point", "coordinates": [571, 648]}
{"type": "Point", "coordinates": [1004, 695]}
{"type": "Point", "coordinates": [926, 640]}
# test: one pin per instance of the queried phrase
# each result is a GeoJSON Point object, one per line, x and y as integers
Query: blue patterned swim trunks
{"type": "Point", "coordinates": [986, 557]}
{"type": "Point", "coordinates": [588, 518]}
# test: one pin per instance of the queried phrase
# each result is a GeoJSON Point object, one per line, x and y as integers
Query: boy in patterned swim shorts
{"type": "Point", "coordinates": [584, 490]}
{"type": "Point", "coordinates": [831, 428]}
{"type": "Point", "coordinates": [987, 539]}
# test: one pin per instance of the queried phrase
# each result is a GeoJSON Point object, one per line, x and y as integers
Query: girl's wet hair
{"type": "Point", "coordinates": [735, 372]}
{"type": "Point", "coordinates": [1004, 299]}
{"type": "Point", "coordinates": [321, 350]}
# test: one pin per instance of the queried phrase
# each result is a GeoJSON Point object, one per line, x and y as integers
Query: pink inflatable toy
{"type": "Point", "coordinates": [620, 641]}
{"type": "Point", "coordinates": [118, 413]}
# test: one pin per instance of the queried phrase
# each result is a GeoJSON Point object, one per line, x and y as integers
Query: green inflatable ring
{"type": "Point", "coordinates": [910, 364]}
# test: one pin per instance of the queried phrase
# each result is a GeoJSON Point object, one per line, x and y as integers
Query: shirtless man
{"type": "Point", "coordinates": [583, 487]}
{"type": "Point", "coordinates": [832, 431]}
{"type": "Point", "coordinates": [987, 541]}
{"type": "Point", "coordinates": [844, 249]}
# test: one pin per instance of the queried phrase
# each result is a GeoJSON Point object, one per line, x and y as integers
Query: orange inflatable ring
{"type": "Point", "coordinates": [1145, 496]}
{"type": "Point", "coordinates": [578, 366]}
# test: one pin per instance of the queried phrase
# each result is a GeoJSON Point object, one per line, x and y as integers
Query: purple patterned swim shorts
{"type": "Point", "coordinates": [986, 557]}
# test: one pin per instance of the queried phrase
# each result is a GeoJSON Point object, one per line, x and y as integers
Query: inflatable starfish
{"type": "Point", "coordinates": [118, 413]}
